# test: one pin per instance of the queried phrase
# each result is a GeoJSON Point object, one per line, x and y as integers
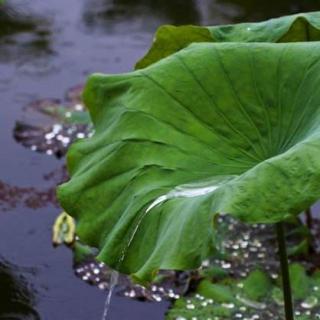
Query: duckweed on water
{"type": "Point", "coordinates": [232, 301]}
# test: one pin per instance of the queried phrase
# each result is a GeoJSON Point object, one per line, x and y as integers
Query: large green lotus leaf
{"type": "Point", "coordinates": [295, 28]}
{"type": "Point", "coordinates": [215, 128]}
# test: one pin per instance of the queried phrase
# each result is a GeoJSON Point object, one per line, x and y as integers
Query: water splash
{"type": "Point", "coordinates": [113, 282]}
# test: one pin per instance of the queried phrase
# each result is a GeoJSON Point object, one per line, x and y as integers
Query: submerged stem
{"type": "Point", "coordinates": [285, 271]}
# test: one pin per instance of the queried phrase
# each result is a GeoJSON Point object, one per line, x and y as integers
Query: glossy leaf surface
{"type": "Point", "coordinates": [215, 128]}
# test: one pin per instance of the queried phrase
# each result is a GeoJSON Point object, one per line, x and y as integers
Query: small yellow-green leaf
{"type": "Point", "coordinates": [63, 230]}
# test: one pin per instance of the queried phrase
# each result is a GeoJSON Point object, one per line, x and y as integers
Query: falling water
{"type": "Point", "coordinates": [113, 283]}
{"type": "Point", "coordinates": [186, 191]}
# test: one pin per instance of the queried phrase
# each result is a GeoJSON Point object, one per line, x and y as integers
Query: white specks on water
{"type": "Point", "coordinates": [156, 297]}
{"type": "Point", "coordinates": [49, 136]}
{"type": "Point", "coordinates": [251, 304]}
{"type": "Point", "coordinates": [65, 140]}
{"type": "Point", "coordinates": [190, 306]}
{"type": "Point", "coordinates": [225, 265]}
{"type": "Point", "coordinates": [56, 128]}
{"type": "Point", "coordinates": [228, 305]}
{"type": "Point", "coordinates": [102, 285]}
{"type": "Point", "coordinates": [200, 297]}
{"type": "Point", "coordinates": [96, 271]}
{"type": "Point", "coordinates": [130, 294]}
{"type": "Point", "coordinates": [205, 263]}
{"type": "Point", "coordinates": [78, 107]}
{"type": "Point", "coordinates": [309, 303]}
{"type": "Point", "coordinates": [80, 135]}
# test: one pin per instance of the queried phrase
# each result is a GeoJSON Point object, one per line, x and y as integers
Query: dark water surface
{"type": "Point", "coordinates": [47, 47]}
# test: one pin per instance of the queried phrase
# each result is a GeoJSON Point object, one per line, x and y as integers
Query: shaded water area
{"type": "Point", "coordinates": [47, 47]}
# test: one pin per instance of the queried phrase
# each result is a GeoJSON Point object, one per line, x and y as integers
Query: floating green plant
{"type": "Point", "coordinates": [256, 297]}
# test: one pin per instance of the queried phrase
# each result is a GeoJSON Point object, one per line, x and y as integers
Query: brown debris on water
{"type": "Point", "coordinates": [28, 197]}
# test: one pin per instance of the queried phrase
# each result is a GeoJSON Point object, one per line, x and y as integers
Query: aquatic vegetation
{"type": "Point", "coordinates": [242, 248]}
{"type": "Point", "coordinates": [51, 125]}
{"type": "Point", "coordinates": [211, 129]}
{"type": "Point", "coordinates": [256, 297]}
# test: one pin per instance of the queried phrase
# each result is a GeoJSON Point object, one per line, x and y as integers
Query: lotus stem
{"type": "Point", "coordinates": [309, 219]}
{"type": "Point", "coordinates": [287, 294]}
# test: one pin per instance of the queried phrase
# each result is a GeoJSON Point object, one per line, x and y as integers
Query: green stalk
{"type": "Point", "coordinates": [285, 271]}
{"type": "Point", "coordinates": [309, 219]}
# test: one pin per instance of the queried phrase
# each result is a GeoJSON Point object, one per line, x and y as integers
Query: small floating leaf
{"type": "Point", "coordinates": [217, 292]}
{"type": "Point", "coordinates": [257, 285]}
{"type": "Point", "coordinates": [300, 282]}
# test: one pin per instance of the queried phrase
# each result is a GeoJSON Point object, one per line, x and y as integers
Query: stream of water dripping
{"type": "Point", "coordinates": [186, 191]}
{"type": "Point", "coordinates": [113, 282]}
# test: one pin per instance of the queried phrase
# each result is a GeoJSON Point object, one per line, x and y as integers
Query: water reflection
{"type": "Point", "coordinates": [252, 10]}
{"type": "Point", "coordinates": [138, 15]}
{"type": "Point", "coordinates": [146, 15]}
{"type": "Point", "coordinates": [22, 33]}
{"type": "Point", "coordinates": [17, 299]}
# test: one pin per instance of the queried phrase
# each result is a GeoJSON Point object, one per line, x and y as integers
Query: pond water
{"type": "Point", "coordinates": [47, 47]}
